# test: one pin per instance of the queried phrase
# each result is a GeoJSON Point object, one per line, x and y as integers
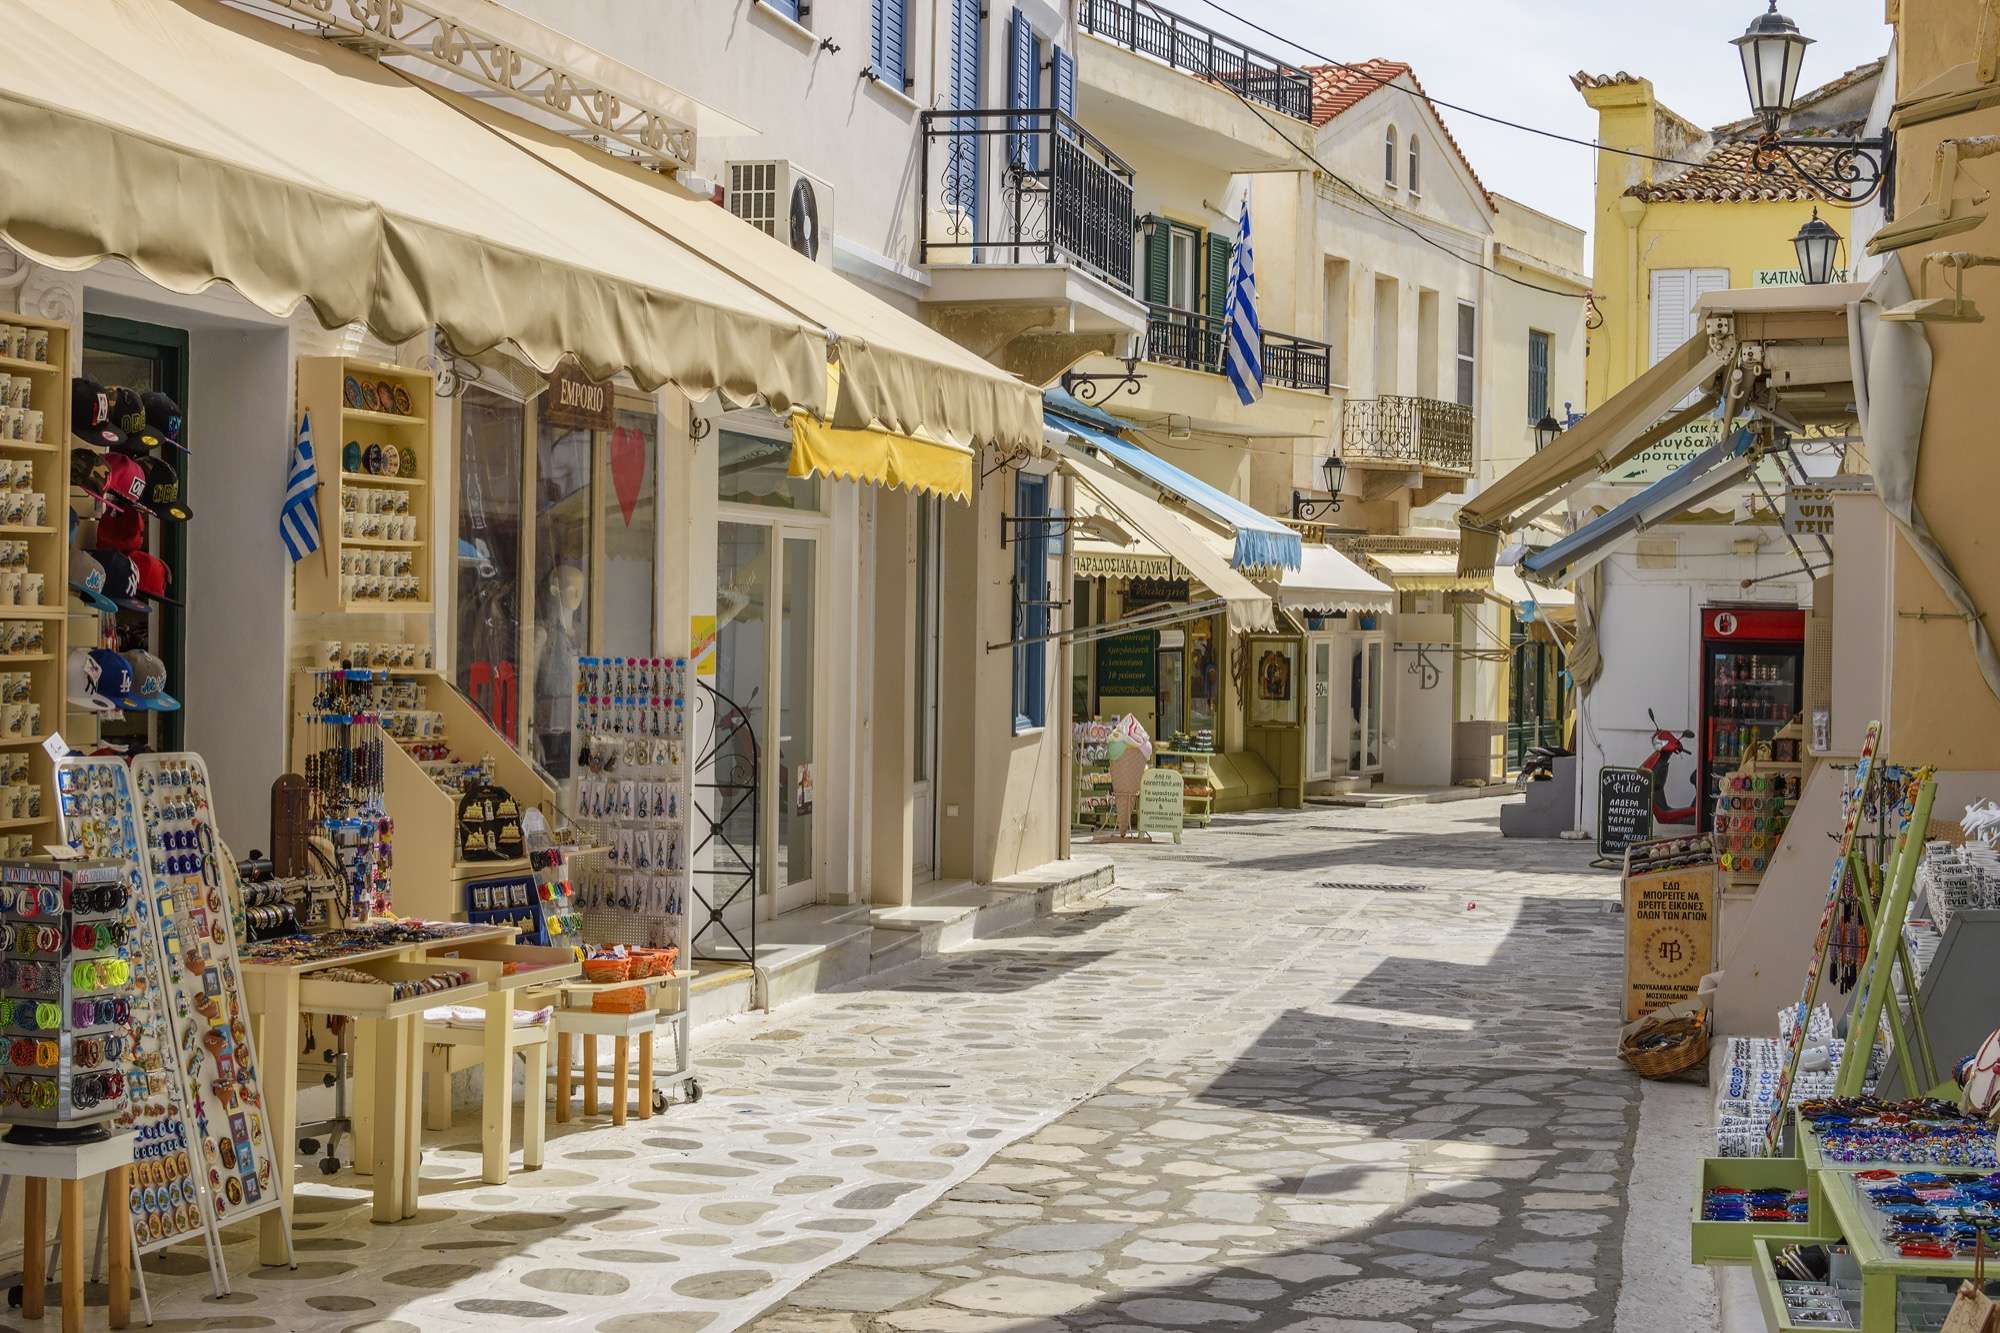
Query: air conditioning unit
{"type": "Point", "coordinates": [784, 200]}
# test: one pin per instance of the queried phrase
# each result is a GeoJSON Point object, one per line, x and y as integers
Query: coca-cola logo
{"type": "Point", "coordinates": [1725, 623]}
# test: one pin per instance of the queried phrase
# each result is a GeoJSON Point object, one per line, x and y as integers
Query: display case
{"type": "Point", "coordinates": [66, 996]}
{"type": "Point", "coordinates": [1750, 689]}
{"type": "Point", "coordinates": [374, 518]}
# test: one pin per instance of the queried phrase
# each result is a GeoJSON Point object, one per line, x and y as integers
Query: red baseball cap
{"type": "Point", "coordinates": [128, 483]}
{"type": "Point", "coordinates": [153, 577]}
{"type": "Point", "coordinates": [120, 530]}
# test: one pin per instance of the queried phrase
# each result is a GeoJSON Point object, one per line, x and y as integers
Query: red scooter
{"type": "Point", "coordinates": [1665, 746]}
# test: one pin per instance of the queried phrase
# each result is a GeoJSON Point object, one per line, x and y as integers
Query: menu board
{"type": "Point", "coordinates": [1624, 809]}
{"type": "Point", "coordinates": [1126, 665]}
{"type": "Point", "coordinates": [1162, 802]}
{"type": "Point", "coordinates": [211, 1023]}
{"type": "Point", "coordinates": [1669, 936]}
{"type": "Point", "coordinates": [99, 821]}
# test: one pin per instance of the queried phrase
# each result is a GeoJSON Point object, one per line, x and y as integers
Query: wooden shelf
{"type": "Point", "coordinates": [18, 659]}
{"type": "Point", "coordinates": [28, 446]}
{"type": "Point", "coordinates": [7, 824]}
{"type": "Point", "coordinates": [25, 530]}
{"type": "Point", "coordinates": [18, 742]}
{"type": "Point", "coordinates": [14, 363]}
{"type": "Point", "coordinates": [385, 543]}
{"type": "Point", "coordinates": [384, 418]}
{"type": "Point", "coordinates": [389, 608]}
{"type": "Point", "coordinates": [375, 479]}
{"type": "Point", "coordinates": [37, 612]}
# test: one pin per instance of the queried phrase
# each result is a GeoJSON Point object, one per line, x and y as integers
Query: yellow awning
{"type": "Point", "coordinates": [205, 145]}
{"type": "Point", "coordinates": [1640, 414]}
{"type": "Point", "coordinates": [880, 457]}
{"type": "Point", "coordinates": [1203, 554]}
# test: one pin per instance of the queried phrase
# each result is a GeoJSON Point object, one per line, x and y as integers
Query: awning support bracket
{"type": "Point", "coordinates": [1160, 619]}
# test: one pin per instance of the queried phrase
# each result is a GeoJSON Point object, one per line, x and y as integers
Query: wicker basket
{"type": "Point", "coordinates": [601, 970]}
{"type": "Point", "coordinates": [1673, 1044]}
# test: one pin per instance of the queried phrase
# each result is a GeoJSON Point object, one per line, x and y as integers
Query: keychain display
{"type": "Point", "coordinates": [99, 820]}
{"type": "Point", "coordinates": [632, 789]}
{"type": "Point", "coordinates": [61, 1044]}
{"type": "Point", "coordinates": [185, 875]}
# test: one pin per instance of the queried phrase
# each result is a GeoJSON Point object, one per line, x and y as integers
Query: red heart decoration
{"type": "Point", "coordinates": [628, 468]}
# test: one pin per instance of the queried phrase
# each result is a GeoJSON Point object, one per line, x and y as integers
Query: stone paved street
{"type": "Point", "coordinates": [1320, 1071]}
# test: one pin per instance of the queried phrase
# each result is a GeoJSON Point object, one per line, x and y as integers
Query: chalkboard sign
{"type": "Point", "coordinates": [1126, 666]}
{"type": "Point", "coordinates": [1624, 809]}
{"type": "Point", "coordinates": [1162, 802]}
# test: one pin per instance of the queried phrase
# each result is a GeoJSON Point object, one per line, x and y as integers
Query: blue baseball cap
{"type": "Point", "coordinates": [109, 677]}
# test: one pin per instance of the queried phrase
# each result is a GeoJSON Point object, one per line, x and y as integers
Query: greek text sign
{"type": "Point", "coordinates": [1669, 936]}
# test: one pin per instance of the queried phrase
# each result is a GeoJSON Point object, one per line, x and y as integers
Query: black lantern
{"type": "Point", "coordinates": [1818, 246]}
{"type": "Point", "coordinates": [1334, 471]}
{"type": "Point", "coordinates": [1546, 431]}
{"type": "Point", "coordinates": [1772, 49]}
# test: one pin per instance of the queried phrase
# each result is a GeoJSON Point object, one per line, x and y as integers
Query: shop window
{"type": "Point", "coordinates": [1389, 157]}
{"type": "Point", "coordinates": [1204, 677]}
{"type": "Point", "coordinates": [1083, 656]}
{"type": "Point", "coordinates": [1031, 603]}
{"type": "Point", "coordinates": [1538, 375]}
{"type": "Point", "coordinates": [488, 578]}
{"type": "Point", "coordinates": [752, 471]}
{"type": "Point", "coordinates": [1468, 343]}
{"type": "Point", "coordinates": [628, 507]}
{"type": "Point", "coordinates": [563, 459]}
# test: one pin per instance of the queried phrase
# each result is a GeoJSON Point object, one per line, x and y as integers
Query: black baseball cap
{"type": "Point", "coordinates": [90, 415]}
{"type": "Point", "coordinates": [128, 413]}
{"type": "Point", "coordinates": [121, 578]}
{"type": "Point", "coordinates": [163, 489]}
{"type": "Point", "coordinates": [163, 414]}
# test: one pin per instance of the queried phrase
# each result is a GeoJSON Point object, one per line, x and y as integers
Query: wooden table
{"type": "Point", "coordinates": [70, 1165]}
{"type": "Point", "coordinates": [388, 1070]}
{"type": "Point", "coordinates": [574, 1016]}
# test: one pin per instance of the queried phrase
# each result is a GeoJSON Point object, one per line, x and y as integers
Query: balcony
{"type": "Point", "coordinates": [1064, 197]}
{"type": "Point", "coordinates": [1409, 432]}
{"type": "Point", "coordinates": [1187, 46]}
{"type": "Point", "coordinates": [1184, 338]}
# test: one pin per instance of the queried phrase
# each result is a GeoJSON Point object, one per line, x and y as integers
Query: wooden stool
{"type": "Point", "coordinates": [70, 1165]}
{"type": "Point", "coordinates": [531, 1043]}
{"type": "Point", "coordinates": [625, 1031]}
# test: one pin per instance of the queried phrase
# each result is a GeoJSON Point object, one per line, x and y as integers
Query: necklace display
{"type": "Point", "coordinates": [1926, 1130]}
{"type": "Point", "coordinates": [345, 783]}
{"type": "Point", "coordinates": [99, 821]}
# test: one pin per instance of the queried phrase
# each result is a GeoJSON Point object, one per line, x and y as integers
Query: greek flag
{"type": "Point", "coordinates": [1244, 340]}
{"type": "Point", "coordinates": [298, 517]}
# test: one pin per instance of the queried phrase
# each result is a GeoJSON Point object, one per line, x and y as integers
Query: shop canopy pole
{"type": "Point", "coordinates": [1150, 620]}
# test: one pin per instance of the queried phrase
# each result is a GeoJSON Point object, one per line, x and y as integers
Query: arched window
{"type": "Point", "coordinates": [1389, 157]}
{"type": "Point", "coordinates": [1414, 188]}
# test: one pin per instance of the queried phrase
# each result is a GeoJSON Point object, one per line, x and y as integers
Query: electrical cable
{"type": "Point", "coordinates": [1380, 82]}
{"type": "Point", "coordinates": [1368, 199]}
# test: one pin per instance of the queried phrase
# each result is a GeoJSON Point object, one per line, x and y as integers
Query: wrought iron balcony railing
{"type": "Point", "coordinates": [1421, 432]}
{"type": "Point", "coordinates": [1139, 25]}
{"type": "Point", "coordinates": [1063, 194]}
{"type": "Point", "coordinates": [1184, 338]}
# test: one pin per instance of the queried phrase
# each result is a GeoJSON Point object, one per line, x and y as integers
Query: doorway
{"type": "Point", "coordinates": [924, 698]}
{"type": "Point", "coordinates": [148, 358]}
{"type": "Point", "coordinates": [1320, 748]}
{"type": "Point", "coordinates": [1364, 654]}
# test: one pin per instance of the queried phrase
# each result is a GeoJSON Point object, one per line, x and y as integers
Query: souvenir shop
{"type": "Point", "coordinates": [378, 759]}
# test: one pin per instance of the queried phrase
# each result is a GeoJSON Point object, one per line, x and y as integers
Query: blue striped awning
{"type": "Point", "coordinates": [1263, 544]}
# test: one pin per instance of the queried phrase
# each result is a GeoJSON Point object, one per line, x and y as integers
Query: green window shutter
{"type": "Point", "coordinates": [1219, 249]}
{"type": "Point", "coordinates": [1159, 254]}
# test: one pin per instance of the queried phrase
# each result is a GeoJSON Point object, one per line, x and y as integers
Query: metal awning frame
{"type": "Point", "coordinates": [1160, 618]}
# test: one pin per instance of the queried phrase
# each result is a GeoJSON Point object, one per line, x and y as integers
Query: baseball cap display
{"type": "Point", "coordinates": [149, 675]}
{"type": "Point", "coordinates": [163, 414]}
{"type": "Point", "coordinates": [163, 490]}
{"type": "Point", "coordinates": [113, 681]}
{"type": "Point", "coordinates": [127, 483]}
{"type": "Point", "coordinates": [86, 579]}
{"type": "Point", "coordinates": [84, 678]}
{"type": "Point", "coordinates": [153, 577]}
{"type": "Point", "coordinates": [117, 530]}
{"type": "Point", "coordinates": [90, 415]}
{"type": "Point", "coordinates": [121, 577]}
{"type": "Point", "coordinates": [88, 472]}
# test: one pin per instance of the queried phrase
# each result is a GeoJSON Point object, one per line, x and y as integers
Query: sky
{"type": "Point", "coordinates": [1513, 58]}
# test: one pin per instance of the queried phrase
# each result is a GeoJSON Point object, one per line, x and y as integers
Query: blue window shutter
{"type": "Point", "coordinates": [789, 8]}
{"type": "Point", "coordinates": [1062, 81]}
{"type": "Point", "coordinates": [961, 181]}
{"type": "Point", "coordinates": [1023, 67]}
{"type": "Point", "coordinates": [1031, 593]}
{"type": "Point", "coordinates": [887, 21]}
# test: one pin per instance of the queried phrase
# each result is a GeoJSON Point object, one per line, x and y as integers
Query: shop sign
{"type": "Point", "coordinates": [1809, 511]}
{"type": "Point", "coordinates": [1682, 447]}
{"type": "Point", "coordinates": [575, 401]}
{"type": "Point", "coordinates": [1146, 592]}
{"type": "Point", "coordinates": [1669, 936]}
{"type": "Point", "coordinates": [1624, 809]}
{"type": "Point", "coordinates": [1786, 277]}
{"type": "Point", "coordinates": [1126, 668]}
{"type": "Point", "coordinates": [1162, 802]}
{"type": "Point", "coordinates": [701, 644]}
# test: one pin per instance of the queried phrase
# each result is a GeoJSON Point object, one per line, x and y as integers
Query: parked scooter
{"type": "Point", "coordinates": [1660, 763]}
{"type": "Point", "coordinates": [1539, 764]}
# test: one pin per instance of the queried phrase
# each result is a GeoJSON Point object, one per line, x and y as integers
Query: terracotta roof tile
{"type": "Point", "coordinates": [1583, 79]}
{"type": "Point", "coordinates": [1339, 88]}
{"type": "Point", "coordinates": [1724, 175]}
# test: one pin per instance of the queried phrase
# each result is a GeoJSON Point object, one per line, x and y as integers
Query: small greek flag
{"type": "Point", "coordinates": [298, 517]}
{"type": "Point", "coordinates": [1244, 341]}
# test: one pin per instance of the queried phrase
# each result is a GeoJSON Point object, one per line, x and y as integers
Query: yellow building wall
{"type": "Point", "coordinates": [1631, 237]}
{"type": "Point", "coordinates": [1942, 712]}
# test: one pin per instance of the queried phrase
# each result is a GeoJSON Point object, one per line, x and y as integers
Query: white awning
{"type": "Point", "coordinates": [1204, 555]}
{"type": "Point", "coordinates": [1425, 571]}
{"type": "Point", "coordinates": [1328, 581]}
{"type": "Point", "coordinates": [1530, 601]}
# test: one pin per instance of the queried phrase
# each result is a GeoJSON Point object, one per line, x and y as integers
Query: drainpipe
{"type": "Point", "coordinates": [1632, 212]}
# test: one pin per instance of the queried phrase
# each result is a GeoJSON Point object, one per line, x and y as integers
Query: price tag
{"type": "Point", "coordinates": [62, 851]}
{"type": "Point", "coordinates": [57, 747]}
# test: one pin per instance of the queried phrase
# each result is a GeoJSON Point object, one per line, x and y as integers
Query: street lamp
{"type": "Point", "coordinates": [1772, 49]}
{"type": "Point", "coordinates": [1546, 431]}
{"type": "Point", "coordinates": [1848, 171]}
{"type": "Point", "coordinates": [1334, 471]}
{"type": "Point", "coordinates": [1818, 245]}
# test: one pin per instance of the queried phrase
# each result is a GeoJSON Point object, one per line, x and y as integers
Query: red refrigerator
{"type": "Point", "coordinates": [1750, 661]}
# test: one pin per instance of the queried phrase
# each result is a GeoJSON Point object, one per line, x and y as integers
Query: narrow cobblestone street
{"type": "Point", "coordinates": [1320, 1071]}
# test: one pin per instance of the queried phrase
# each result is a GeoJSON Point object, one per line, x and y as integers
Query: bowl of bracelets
{"type": "Point", "coordinates": [64, 998]}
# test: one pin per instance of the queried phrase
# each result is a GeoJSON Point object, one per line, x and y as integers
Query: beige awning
{"type": "Point", "coordinates": [1202, 554]}
{"type": "Point", "coordinates": [1327, 581]}
{"type": "Point", "coordinates": [1425, 571]}
{"type": "Point", "coordinates": [897, 374]}
{"type": "Point", "coordinates": [1515, 592]}
{"type": "Point", "coordinates": [1640, 414]}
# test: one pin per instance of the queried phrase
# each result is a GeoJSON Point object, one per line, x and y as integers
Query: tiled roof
{"type": "Point", "coordinates": [1339, 88]}
{"type": "Point", "coordinates": [1724, 175]}
{"type": "Point", "coordinates": [1583, 79]}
